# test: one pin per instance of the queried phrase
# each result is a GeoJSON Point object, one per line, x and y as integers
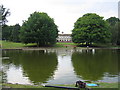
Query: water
{"type": "Point", "coordinates": [60, 66]}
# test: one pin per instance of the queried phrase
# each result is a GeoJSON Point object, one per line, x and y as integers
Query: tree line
{"type": "Point", "coordinates": [11, 33]}
{"type": "Point", "coordinates": [41, 29]}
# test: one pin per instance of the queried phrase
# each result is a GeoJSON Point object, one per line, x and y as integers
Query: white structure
{"type": "Point", "coordinates": [64, 38]}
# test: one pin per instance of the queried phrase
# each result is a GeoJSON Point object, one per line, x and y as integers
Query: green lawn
{"type": "Point", "coordinates": [12, 45]}
{"type": "Point", "coordinates": [62, 43]}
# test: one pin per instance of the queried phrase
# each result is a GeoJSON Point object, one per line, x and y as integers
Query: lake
{"type": "Point", "coordinates": [60, 65]}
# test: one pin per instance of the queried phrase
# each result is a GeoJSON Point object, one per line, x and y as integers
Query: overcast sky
{"type": "Point", "coordinates": [64, 12]}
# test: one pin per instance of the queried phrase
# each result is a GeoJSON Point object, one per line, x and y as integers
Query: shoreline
{"type": "Point", "coordinates": [101, 85]}
{"type": "Point", "coordinates": [69, 47]}
{"type": "Point", "coordinates": [6, 45]}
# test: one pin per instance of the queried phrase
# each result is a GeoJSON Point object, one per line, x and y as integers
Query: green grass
{"type": "Point", "coordinates": [108, 85]}
{"type": "Point", "coordinates": [12, 45]}
{"type": "Point", "coordinates": [101, 85]}
{"type": "Point", "coordinates": [63, 44]}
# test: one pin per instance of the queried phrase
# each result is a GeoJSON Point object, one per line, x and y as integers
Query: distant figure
{"type": "Point", "coordinates": [80, 84]}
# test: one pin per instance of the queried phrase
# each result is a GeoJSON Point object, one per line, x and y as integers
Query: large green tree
{"type": "Point", "coordinates": [114, 29]}
{"type": "Point", "coordinates": [90, 28]}
{"type": "Point", "coordinates": [40, 29]}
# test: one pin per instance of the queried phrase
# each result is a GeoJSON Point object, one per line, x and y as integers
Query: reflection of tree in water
{"type": "Point", "coordinates": [93, 66]}
{"type": "Point", "coordinates": [118, 57]}
{"type": "Point", "coordinates": [6, 65]}
{"type": "Point", "coordinates": [37, 65]}
{"type": "Point", "coordinates": [13, 57]}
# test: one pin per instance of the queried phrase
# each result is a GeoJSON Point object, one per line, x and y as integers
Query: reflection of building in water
{"type": "Point", "coordinates": [69, 51]}
{"type": "Point", "coordinates": [61, 51]}
{"type": "Point", "coordinates": [64, 38]}
{"type": "Point", "coordinates": [64, 73]}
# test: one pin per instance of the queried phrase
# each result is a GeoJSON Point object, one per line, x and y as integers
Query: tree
{"type": "Point", "coordinates": [117, 34]}
{"type": "Point", "coordinates": [113, 23]}
{"type": "Point", "coordinates": [11, 33]}
{"type": "Point", "coordinates": [40, 29]}
{"type": "Point", "coordinates": [112, 20]}
{"type": "Point", "coordinates": [6, 32]}
{"type": "Point", "coordinates": [90, 28]}
{"type": "Point", "coordinates": [3, 13]}
{"type": "Point", "coordinates": [118, 41]}
{"type": "Point", "coordinates": [15, 33]}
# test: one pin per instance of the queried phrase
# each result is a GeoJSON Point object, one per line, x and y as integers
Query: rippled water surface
{"type": "Point", "coordinates": [60, 66]}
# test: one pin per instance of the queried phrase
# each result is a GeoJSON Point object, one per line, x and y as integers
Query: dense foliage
{"type": "Point", "coordinates": [40, 29]}
{"type": "Point", "coordinates": [118, 41]}
{"type": "Point", "coordinates": [117, 30]}
{"type": "Point", "coordinates": [90, 28]}
{"type": "Point", "coordinates": [114, 29]}
{"type": "Point", "coordinates": [11, 33]}
{"type": "Point", "coordinates": [112, 20]}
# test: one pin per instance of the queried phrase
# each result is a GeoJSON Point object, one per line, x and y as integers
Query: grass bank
{"type": "Point", "coordinates": [101, 85]}
{"type": "Point", "coordinates": [13, 45]}
{"type": "Point", "coordinates": [62, 43]}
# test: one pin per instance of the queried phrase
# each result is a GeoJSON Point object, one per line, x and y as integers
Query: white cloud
{"type": "Point", "coordinates": [64, 12]}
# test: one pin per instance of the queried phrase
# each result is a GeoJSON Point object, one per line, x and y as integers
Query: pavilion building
{"type": "Point", "coordinates": [64, 38]}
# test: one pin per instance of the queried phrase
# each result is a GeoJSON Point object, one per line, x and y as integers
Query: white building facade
{"type": "Point", "coordinates": [64, 38]}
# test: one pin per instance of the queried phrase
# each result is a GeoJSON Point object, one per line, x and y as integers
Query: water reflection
{"type": "Point", "coordinates": [95, 64]}
{"type": "Point", "coordinates": [37, 65]}
{"type": "Point", "coordinates": [65, 71]}
{"type": "Point", "coordinates": [60, 66]}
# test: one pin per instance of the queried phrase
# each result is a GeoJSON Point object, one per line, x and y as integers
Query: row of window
{"type": "Point", "coordinates": [64, 37]}
{"type": "Point", "coordinates": [64, 40]}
